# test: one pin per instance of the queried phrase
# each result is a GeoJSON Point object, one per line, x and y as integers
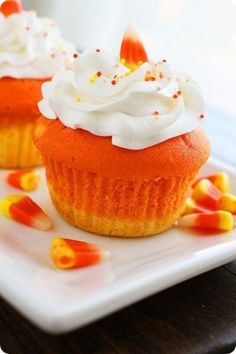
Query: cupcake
{"type": "Point", "coordinates": [121, 141]}
{"type": "Point", "coordinates": [31, 52]}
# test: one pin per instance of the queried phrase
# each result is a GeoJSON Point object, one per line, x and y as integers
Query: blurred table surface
{"type": "Point", "coordinates": [197, 316]}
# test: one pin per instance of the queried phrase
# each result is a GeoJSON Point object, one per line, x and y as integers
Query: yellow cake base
{"type": "Point", "coordinates": [17, 148]}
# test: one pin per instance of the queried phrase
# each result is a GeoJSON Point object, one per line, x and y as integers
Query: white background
{"type": "Point", "coordinates": [197, 36]}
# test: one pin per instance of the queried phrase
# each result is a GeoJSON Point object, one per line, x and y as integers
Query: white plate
{"type": "Point", "coordinates": [59, 301]}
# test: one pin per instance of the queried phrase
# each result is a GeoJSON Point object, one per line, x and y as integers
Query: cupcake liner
{"type": "Point", "coordinates": [116, 206]}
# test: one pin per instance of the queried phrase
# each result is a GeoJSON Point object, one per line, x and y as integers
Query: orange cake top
{"type": "Point", "coordinates": [82, 150]}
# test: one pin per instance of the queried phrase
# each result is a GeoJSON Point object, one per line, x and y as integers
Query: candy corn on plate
{"type": "Point", "coordinates": [61, 277]}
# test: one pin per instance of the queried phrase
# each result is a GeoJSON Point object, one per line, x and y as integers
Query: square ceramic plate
{"type": "Point", "coordinates": [59, 301]}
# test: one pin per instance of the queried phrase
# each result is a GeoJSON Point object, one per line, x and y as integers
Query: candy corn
{"type": "Point", "coordinates": [228, 202]}
{"type": "Point", "coordinates": [191, 206]}
{"type": "Point", "coordinates": [217, 220]}
{"type": "Point", "coordinates": [132, 52]}
{"type": "Point", "coordinates": [23, 209]}
{"type": "Point", "coordinates": [209, 206]}
{"type": "Point", "coordinates": [206, 193]}
{"type": "Point", "coordinates": [220, 180]}
{"type": "Point", "coordinates": [27, 180]}
{"type": "Point", "coordinates": [10, 7]}
{"type": "Point", "coordinates": [68, 254]}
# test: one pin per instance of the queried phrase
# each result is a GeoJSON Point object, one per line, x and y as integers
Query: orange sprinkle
{"type": "Point", "coordinates": [179, 93]}
{"type": "Point", "coordinates": [98, 73]}
{"type": "Point", "coordinates": [75, 55]}
{"type": "Point", "coordinates": [113, 82]}
{"type": "Point", "coordinates": [175, 96]}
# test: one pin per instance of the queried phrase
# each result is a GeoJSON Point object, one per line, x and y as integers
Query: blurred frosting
{"type": "Point", "coordinates": [31, 47]}
{"type": "Point", "coordinates": [137, 109]}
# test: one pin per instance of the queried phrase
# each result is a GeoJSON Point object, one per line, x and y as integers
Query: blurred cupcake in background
{"type": "Point", "coordinates": [31, 52]}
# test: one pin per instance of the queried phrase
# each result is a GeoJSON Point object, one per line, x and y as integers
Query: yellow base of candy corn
{"type": "Point", "coordinates": [228, 202]}
{"type": "Point", "coordinates": [6, 202]}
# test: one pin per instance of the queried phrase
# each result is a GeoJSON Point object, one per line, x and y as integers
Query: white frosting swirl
{"type": "Point", "coordinates": [32, 47]}
{"type": "Point", "coordinates": [126, 110]}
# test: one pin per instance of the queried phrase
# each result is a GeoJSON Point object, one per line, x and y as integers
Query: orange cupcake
{"type": "Point", "coordinates": [121, 142]}
{"type": "Point", "coordinates": [31, 53]}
